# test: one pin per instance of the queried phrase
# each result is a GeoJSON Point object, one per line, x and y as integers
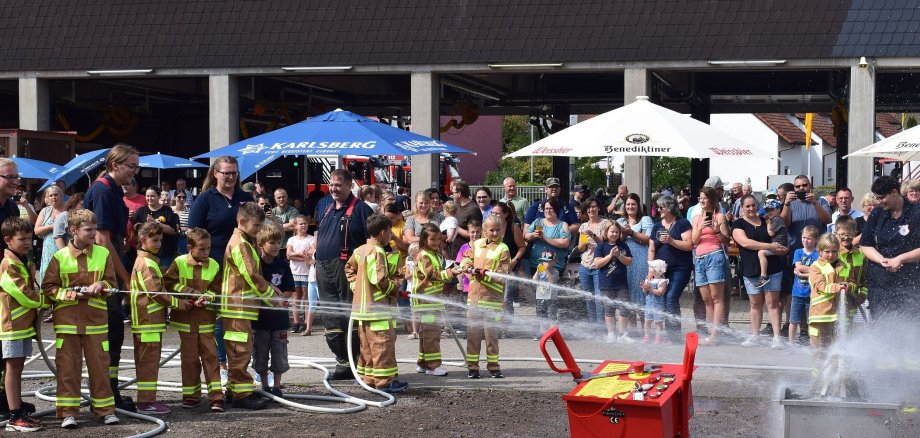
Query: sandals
{"type": "Point", "coordinates": [306, 332]}
{"type": "Point", "coordinates": [414, 335]}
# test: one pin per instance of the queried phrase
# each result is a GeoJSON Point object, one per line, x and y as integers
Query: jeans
{"type": "Point", "coordinates": [591, 282]}
{"type": "Point", "coordinates": [677, 282]}
{"type": "Point", "coordinates": [312, 295]}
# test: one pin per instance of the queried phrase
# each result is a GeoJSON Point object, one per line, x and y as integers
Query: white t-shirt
{"type": "Point", "coordinates": [298, 244]}
{"type": "Point", "coordinates": [449, 224]}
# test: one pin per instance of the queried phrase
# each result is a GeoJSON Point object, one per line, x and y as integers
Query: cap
{"type": "Point", "coordinates": [713, 182]}
{"type": "Point", "coordinates": [583, 189]}
{"type": "Point", "coordinates": [547, 256]}
{"type": "Point", "coordinates": [770, 204]}
{"type": "Point", "coordinates": [248, 187]}
{"type": "Point", "coordinates": [552, 182]}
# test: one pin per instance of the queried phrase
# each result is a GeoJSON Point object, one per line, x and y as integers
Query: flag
{"type": "Point", "coordinates": [809, 118]}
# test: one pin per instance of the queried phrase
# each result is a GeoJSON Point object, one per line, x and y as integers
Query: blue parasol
{"type": "Point", "coordinates": [79, 166]}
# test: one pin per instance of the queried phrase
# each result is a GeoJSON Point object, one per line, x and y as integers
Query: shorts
{"type": "Point", "coordinates": [619, 294]}
{"type": "Point", "coordinates": [798, 314]}
{"type": "Point", "coordinates": [300, 284]}
{"type": "Point", "coordinates": [654, 308]}
{"type": "Point", "coordinates": [17, 348]}
{"type": "Point", "coordinates": [273, 343]}
{"type": "Point", "coordinates": [773, 285]}
{"type": "Point", "coordinates": [710, 268]}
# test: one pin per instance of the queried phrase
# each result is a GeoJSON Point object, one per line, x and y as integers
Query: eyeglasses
{"type": "Point", "coordinates": [229, 174]}
{"type": "Point", "coordinates": [844, 235]}
{"type": "Point", "coordinates": [133, 167]}
{"type": "Point", "coordinates": [801, 186]}
{"type": "Point", "coordinates": [11, 177]}
{"type": "Point", "coordinates": [482, 197]}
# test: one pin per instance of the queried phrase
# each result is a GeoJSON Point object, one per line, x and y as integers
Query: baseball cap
{"type": "Point", "coordinates": [713, 182]}
{"type": "Point", "coordinates": [552, 182]}
{"type": "Point", "coordinates": [583, 189]}
{"type": "Point", "coordinates": [248, 187]}
{"type": "Point", "coordinates": [770, 204]}
{"type": "Point", "coordinates": [547, 256]}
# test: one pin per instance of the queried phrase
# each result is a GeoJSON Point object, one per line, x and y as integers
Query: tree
{"type": "Point", "coordinates": [516, 135]}
{"type": "Point", "coordinates": [670, 172]}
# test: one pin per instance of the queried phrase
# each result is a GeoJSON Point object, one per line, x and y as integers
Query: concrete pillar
{"type": "Point", "coordinates": [861, 132]}
{"type": "Point", "coordinates": [34, 106]}
{"type": "Point", "coordinates": [637, 172]}
{"type": "Point", "coordinates": [425, 99]}
{"type": "Point", "coordinates": [223, 111]}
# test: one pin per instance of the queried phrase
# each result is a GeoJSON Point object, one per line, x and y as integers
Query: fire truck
{"type": "Point", "coordinates": [389, 170]}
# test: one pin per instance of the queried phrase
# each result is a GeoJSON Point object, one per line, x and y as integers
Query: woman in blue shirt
{"type": "Point", "coordinates": [671, 242]}
{"type": "Point", "coordinates": [549, 233]}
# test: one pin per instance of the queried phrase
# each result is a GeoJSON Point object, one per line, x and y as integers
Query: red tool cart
{"type": "Point", "coordinates": [627, 399]}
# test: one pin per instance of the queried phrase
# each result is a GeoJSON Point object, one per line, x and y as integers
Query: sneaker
{"type": "Point", "coordinates": [646, 339]}
{"type": "Point", "coordinates": [23, 423]}
{"type": "Point", "coordinates": [784, 329]}
{"type": "Point", "coordinates": [217, 406]}
{"type": "Point", "coordinates": [420, 369]}
{"type": "Point", "coordinates": [611, 338]}
{"type": "Point", "coordinates": [296, 328]}
{"type": "Point", "coordinates": [658, 340]}
{"type": "Point", "coordinates": [250, 402]}
{"type": "Point", "coordinates": [189, 404]}
{"type": "Point", "coordinates": [625, 339]}
{"type": "Point", "coordinates": [109, 419]}
{"type": "Point", "coordinates": [761, 282]}
{"type": "Point", "coordinates": [777, 343]}
{"type": "Point", "coordinates": [395, 387]}
{"type": "Point", "coordinates": [767, 330]}
{"type": "Point", "coordinates": [472, 374]}
{"type": "Point", "coordinates": [275, 391]}
{"type": "Point", "coordinates": [153, 408]}
{"type": "Point", "coordinates": [224, 377]}
{"type": "Point", "coordinates": [496, 374]}
{"type": "Point", "coordinates": [70, 423]}
{"type": "Point", "coordinates": [436, 372]}
{"type": "Point", "coordinates": [751, 341]}
{"type": "Point", "coordinates": [412, 336]}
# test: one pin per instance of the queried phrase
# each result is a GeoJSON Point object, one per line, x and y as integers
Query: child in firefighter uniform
{"type": "Point", "coordinates": [19, 307]}
{"type": "Point", "coordinates": [196, 276]}
{"type": "Point", "coordinates": [148, 316]}
{"type": "Point", "coordinates": [81, 319]}
{"type": "Point", "coordinates": [244, 289]}
{"type": "Point", "coordinates": [486, 255]}
{"type": "Point", "coordinates": [428, 279]}
{"type": "Point", "coordinates": [854, 264]}
{"type": "Point", "coordinates": [374, 307]}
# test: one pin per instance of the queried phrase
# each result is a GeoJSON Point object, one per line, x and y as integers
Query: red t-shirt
{"type": "Point", "coordinates": [133, 204]}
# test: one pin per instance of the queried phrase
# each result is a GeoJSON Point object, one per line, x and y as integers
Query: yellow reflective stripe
{"type": "Point", "coordinates": [370, 316]}
{"type": "Point", "coordinates": [492, 358]}
{"type": "Point", "coordinates": [66, 329]}
{"type": "Point", "coordinates": [191, 390]}
{"type": "Point", "coordinates": [490, 305]}
{"type": "Point", "coordinates": [66, 402]}
{"type": "Point", "coordinates": [822, 318]}
{"type": "Point", "coordinates": [97, 303]}
{"type": "Point", "coordinates": [96, 329]}
{"type": "Point", "coordinates": [239, 314]}
{"type": "Point", "coordinates": [18, 312]}
{"type": "Point", "coordinates": [146, 386]}
{"type": "Point", "coordinates": [9, 286]}
{"type": "Point", "coordinates": [236, 336]}
{"type": "Point", "coordinates": [179, 326]}
{"type": "Point", "coordinates": [237, 255]}
{"type": "Point", "coordinates": [428, 319]}
{"type": "Point", "coordinates": [472, 358]}
{"type": "Point", "coordinates": [381, 372]}
{"type": "Point", "coordinates": [17, 334]}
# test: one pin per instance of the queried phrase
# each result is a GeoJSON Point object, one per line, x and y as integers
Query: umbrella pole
{"type": "Point", "coordinates": [159, 184]}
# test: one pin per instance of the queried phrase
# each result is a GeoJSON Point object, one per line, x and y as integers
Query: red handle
{"type": "Point", "coordinates": [690, 354]}
{"type": "Point", "coordinates": [571, 366]}
{"type": "Point", "coordinates": [686, 393]}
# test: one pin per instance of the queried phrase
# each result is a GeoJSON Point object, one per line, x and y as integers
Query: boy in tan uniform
{"type": "Point", "coordinates": [374, 307]}
{"type": "Point", "coordinates": [197, 275]}
{"type": "Point", "coordinates": [19, 307]}
{"type": "Point", "coordinates": [244, 288]}
{"type": "Point", "coordinates": [81, 319]}
{"type": "Point", "coordinates": [486, 295]}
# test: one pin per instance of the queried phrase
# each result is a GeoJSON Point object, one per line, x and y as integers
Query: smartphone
{"type": "Point", "coordinates": [267, 208]}
{"type": "Point", "coordinates": [708, 216]}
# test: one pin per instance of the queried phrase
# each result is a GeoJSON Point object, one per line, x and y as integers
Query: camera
{"type": "Point", "coordinates": [801, 195]}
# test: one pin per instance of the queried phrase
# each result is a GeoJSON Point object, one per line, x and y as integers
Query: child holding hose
{"type": "Point", "coordinates": [148, 316]}
{"type": "Point", "coordinates": [197, 275]}
{"type": "Point", "coordinates": [486, 256]}
{"type": "Point", "coordinates": [428, 279]}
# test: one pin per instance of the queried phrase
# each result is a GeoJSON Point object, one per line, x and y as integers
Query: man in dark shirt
{"type": "Point", "coordinates": [467, 210]}
{"type": "Point", "coordinates": [891, 244]}
{"type": "Point", "coordinates": [567, 214]}
{"type": "Point", "coordinates": [341, 230]}
{"type": "Point", "coordinates": [106, 200]}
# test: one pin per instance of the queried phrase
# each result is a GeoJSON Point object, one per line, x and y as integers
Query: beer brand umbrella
{"type": "Point", "coordinates": [160, 161]}
{"type": "Point", "coordinates": [37, 169]}
{"type": "Point", "coordinates": [642, 129]}
{"type": "Point", "coordinates": [903, 146]}
{"type": "Point", "coordinates": [79, 166]}
{"type": "Point", "coordinates": [337, 132]}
